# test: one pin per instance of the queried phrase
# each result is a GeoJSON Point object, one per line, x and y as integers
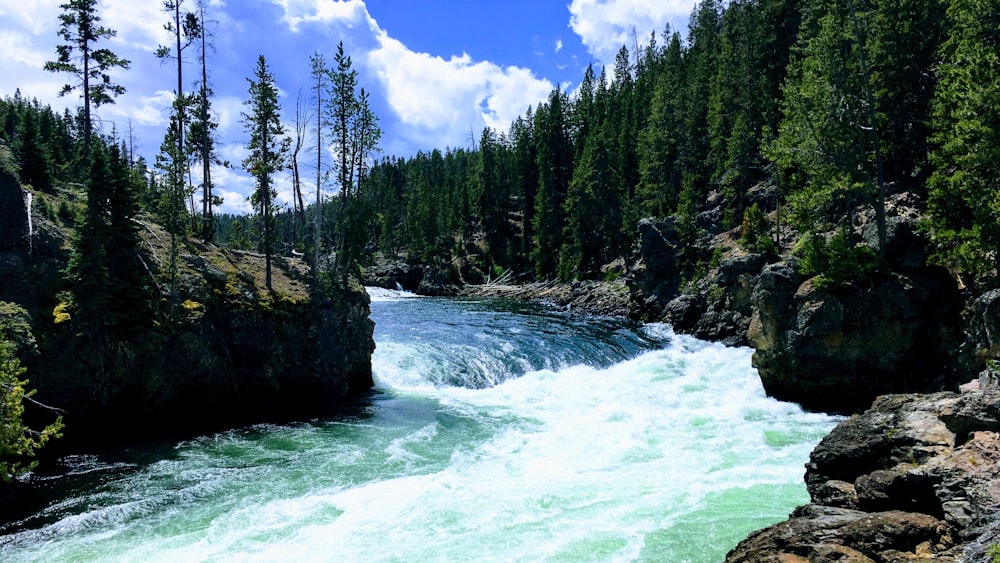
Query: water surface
{"type": "Point", "coordinates": [497, 432]}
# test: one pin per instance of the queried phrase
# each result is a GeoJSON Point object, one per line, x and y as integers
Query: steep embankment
{"type": "Point", "coordinates": [829, 346]}
{"type": "Point", "coordinates": [218, 349]}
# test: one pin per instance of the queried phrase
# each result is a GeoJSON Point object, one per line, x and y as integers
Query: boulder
{"type": "Point", "coordinates": [914, 478]}
{"type": "Point", "coordinates": [835, 349]}
{"type": "Point", "coordinates": [654, 277]}
{"type": "Point", "coordinates": [438, 280]}
{"type": "Point", "coordinates": [393, 275]}
{"type": "Point", "coordinates": [816, 534]}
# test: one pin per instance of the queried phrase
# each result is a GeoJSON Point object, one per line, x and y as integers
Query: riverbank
{"type": "Point", "coordinates": [602, 299]}
{"type": "Point", "coordinates": [914, 478]}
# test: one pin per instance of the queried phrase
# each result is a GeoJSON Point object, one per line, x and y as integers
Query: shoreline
{"type": "Point", "coordinates": [601, 299]}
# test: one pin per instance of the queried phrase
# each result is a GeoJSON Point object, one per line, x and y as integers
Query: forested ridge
{"type": "Point", "coordinates": [115, 305]}
{"type": "Point", "coordinates": [784, 118]}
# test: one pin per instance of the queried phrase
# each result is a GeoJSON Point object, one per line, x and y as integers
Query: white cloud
{"type": "Point", "coordinates": [146, 111]}
{"type": "Point", "coordinates": [227, 111]}
{"type": "Point", "coordinates": [605, 25]}
{"type": "Point", "coordinates": [352, 13]}
{"type": "Point", "coordinates": [233, 185]}
{"type": "Point", "coordinates": [441, 100]}
{"type": "Point", "coordinates": [32, 16]}
{"type": "Point", "coordinates": [17, 47]}
{"type": "Point", "coordinates": [559, 45]}
{"type": "Point", "coordinates": [436, 100]}
{"type": "Point", "coordinates": [138, 24]}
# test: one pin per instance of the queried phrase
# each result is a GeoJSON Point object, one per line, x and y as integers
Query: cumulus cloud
{"type": "Point", "coordinates": [31, 16]}
{"type": "Point", "coordinates": [150, 110]}
{"type": "Point", "coordinates": [18, 48]}
{"type": "Point", "coordinates": [605, 25]}
{"type": "Point", "coordinates": [139, 24]}
{"type": "Point", "coordinates": [441, 100]}
{"type": "Point", "coordinates": [436, 100]}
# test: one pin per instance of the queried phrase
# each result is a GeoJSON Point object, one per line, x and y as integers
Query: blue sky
{"type": "Point", "coordinates": [438, 71]}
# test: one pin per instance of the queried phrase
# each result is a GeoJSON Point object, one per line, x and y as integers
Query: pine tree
{"type": "Point", "coordinates": [555, 169]}
{"type": "Point", "coordinates": [170, 191]}
{"type": "Point", "coordinates": [660, 140]}
{"type": "Point", "coordinates": [745, 105]}
{"type": "Point", "coordinates": [524, 167]}
{"type": "Point", "coordinates": [268, 147]}
{"type": "Point", "coordinates": [823, 144]}
{"type": "Point", "coordinates": [107, 270]}
{"type": "Point", "coordinates": [184, 28]}
{"type": "Point", "coordinates": [964, 198]}
{"type": "Point", "coordinates": [493, 196]}
{"type": "Point", "coordinates": [32, 152]}
{"type": "Point", "coordinates": [80, 28]}
{"type": "Point", "coordinates": [202, 134]}
{"type": "Point", "coordinates": [343, 109]}
{"type": "Point", "coordinates": [320, 75]}
{"type": "Point", "coordinates": [590, 210]}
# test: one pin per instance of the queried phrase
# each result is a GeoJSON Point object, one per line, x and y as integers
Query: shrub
{"type": "Point", "coordinates": [837, 262]}
{"type": "Point", "coordinates": [18, 443]}
{"type": "Point", "coordinates": [755, 234]}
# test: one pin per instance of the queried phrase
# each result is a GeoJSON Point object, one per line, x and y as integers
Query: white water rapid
{"type": "Point", "coordinates": [497, 432]}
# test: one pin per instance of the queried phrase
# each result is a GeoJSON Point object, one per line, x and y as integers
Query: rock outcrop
{"type": "Point", "coordinates": [654, 275]}
{"type": "Point", "coordinates": [394, 275]}
{"type": "Point", "coordinates": [981, 348]}
{"type": "Point", "coordinates": [13, 213]}
{"type": "Point", "coordinates": [914, 478]}
{"type": "Point", "coordinates": [216, 350]}
{"type": "Point", "coordinates": [835, 349]}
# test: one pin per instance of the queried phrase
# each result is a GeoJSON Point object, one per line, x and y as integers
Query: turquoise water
{"type": "Point", "coordinates": [497, 432]}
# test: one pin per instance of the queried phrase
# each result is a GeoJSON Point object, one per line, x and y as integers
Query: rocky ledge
{"type": "Point", "coordinates": [914, 478]}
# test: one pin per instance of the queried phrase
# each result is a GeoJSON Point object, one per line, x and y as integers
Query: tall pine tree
{"type": "Point", "coordinates": [268, 151]}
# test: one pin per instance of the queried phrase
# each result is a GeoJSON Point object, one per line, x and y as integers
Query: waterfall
{"type": "Point", "coordinates": [28, 197]}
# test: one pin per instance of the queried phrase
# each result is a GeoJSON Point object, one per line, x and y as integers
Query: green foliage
{"type": "Point", "coordinates": [8, 162]}
{"type": "Point", "coordinates": [169, 190]}
{"type": "Point", "coordinates": [802, 95]}
{"type": "Point", "coordinates": [964, 193]}
{"type": "Point", "coordinates": [107, 272]}
{"type": "Point", "coordinates": [993, 552]}
{"type": "Point", "coordinates": [837, 262]}
{"type": "Point", "coordinates": [268, 151]}
{"type": "Point", "coordinates": [80, 28]}
{"type": "Point", "coordinates": [18, 443]}
{"type": "Point", "coordinates": [755, 233]}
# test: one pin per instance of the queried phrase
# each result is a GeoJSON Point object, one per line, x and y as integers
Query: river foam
{"type": "Point", "coordinates": [654, 447]}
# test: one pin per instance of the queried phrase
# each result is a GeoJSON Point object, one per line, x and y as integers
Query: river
{"type": "Point", "coordinates": [496, 432]}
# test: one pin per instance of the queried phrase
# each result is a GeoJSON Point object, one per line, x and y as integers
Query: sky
{"type": "Point", "coordinates": [437, 71]}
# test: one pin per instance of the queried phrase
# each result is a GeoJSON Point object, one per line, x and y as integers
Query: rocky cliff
{"type": "Point", "coordinates": [835, 349]}
{"type": "Point", "coordinates": [829, 347]}
{"type": "Point", "coordinates": [218, 348]}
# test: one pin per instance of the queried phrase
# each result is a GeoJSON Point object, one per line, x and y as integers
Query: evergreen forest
{"type": "Point", "coordinates": [782, 118]}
